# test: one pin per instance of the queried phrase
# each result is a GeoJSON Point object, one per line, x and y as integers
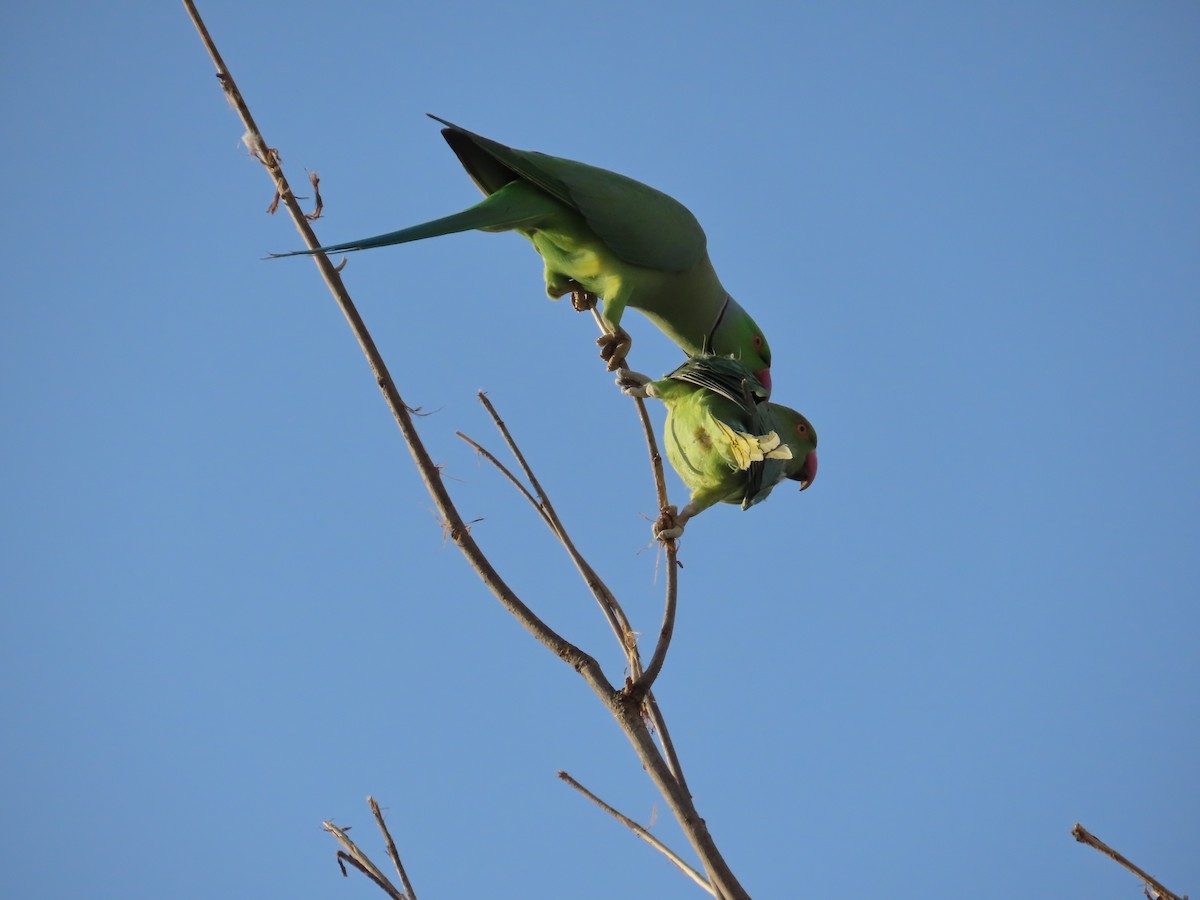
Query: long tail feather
{"type": "Point", "coordinates": [513, 206]}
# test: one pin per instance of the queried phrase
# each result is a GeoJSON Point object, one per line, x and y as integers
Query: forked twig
{"type": "Point", "coordinates": [619, 622]}
{"type": "Point", "coordinates": [604, 598]}
{"type": "Point", "coordinates": [612, 610]}
{"type": "Point", "coordinates": [351, 854]}
{"type": "Point", "coordinates": [507, 473]}
{"type": "Point", "coordinates": [641, 832]}
{"type": "Point", "coordinates": [1084, 836]}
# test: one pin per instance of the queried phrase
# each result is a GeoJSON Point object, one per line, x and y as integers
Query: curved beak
{"type": "Point", "coordinates": [764, 378]}
{"type": "Point", "coordinates": [808, 473]}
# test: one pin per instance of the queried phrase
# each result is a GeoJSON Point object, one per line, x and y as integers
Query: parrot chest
{"type": "Point", "coordinates": [684, 305]}
{"type": "Point", "coordinates": [698, 450]}
{"type": "Point", "coordinates": [569, 254]}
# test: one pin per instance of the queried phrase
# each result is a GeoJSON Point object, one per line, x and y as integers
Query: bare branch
{"type": "Point", "coordinates": [642, 833]}
{"type": "Point", "coordinates": [391, 848]}
{"type": "Point", "coordinates": [487, 454]}
{"type": "Point", "coordinates": [315, 180]}
{"type": "Point", "coordinates": [1154, 889]}
{"type": "Point", "coordinates": [627, 714]}
{"type": "Point", "coordinates": [659, 724]}
{"type": "Point", "coordinates": [362, 862]}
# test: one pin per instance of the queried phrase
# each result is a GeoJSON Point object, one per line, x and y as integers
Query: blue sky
{"type": "Point", "coordinates": [972, 234]}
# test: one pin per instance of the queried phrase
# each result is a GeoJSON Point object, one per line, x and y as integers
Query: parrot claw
{"type": "Point", "coordinates": [669, 525]}
{"type": "Point", "coordinates": [633, 384]}
{"type": "Point", "coordinates": [583, 301]}
{"type": "Point", "coordinates": [669, 534]}
{"type": "Point", "coordinates": [614, 347]}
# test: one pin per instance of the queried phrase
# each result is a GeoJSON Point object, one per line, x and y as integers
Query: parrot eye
{"type": "Point", "coordinates": [801, 428]}
{"type": "Point", "coordinates": [758, 342]}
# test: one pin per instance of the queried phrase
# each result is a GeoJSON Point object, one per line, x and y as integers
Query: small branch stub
{"type": "Point", "coordinates": [1154, 889]}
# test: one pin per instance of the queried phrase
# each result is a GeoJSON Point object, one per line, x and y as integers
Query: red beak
{"type": "Point", "coordinates": [808, 474]}
{"type": "Point", "coordinates": [764, 378]}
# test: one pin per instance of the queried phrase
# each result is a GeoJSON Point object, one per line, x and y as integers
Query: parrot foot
{"type": "Point", "coordinates": [670, 523]}
{"type": "Point", "coordinates": [583, 301]}
{"type": "Point", "coordinates": [614, 347]}
{"type": "Point", "coordinates": [634, 384]}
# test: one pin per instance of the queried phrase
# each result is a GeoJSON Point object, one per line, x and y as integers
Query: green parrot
{"type": "Point", "coordinates": [726, 441]}
{"type": "Point", "coordinates": [603, 235]}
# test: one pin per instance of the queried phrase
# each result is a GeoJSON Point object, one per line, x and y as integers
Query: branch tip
{"type": "Point", "coordinates": [1083, 836]}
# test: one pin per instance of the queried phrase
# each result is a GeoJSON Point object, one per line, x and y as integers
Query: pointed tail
{"type": "Point", "coordinates": [516, 205]}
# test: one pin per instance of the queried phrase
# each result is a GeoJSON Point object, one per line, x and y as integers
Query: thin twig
{"type": "Point", "coordinates": [641, 685]}
{"type": "Point", "coordinates": [1084, 836]}
{"type": "Point", "coordinates": [621, 626]}
{"type": "Point", "coordinates": [343, 857]}
{"type": "Point", "coordinates": [612, 613]}
{"type": "Point", "coordinates": [490, 457]}
{"type": "Point", "coordinates": [660, 478]}
{"type": "Point", "coordinates": [362, 862]}
{"type": "Point", "coordinates": [391, 848]}
{"type": "Point", "coordinates": [659, 724]}
{"type": "Point", "coordinates": [315, 180]}
{"type": "Point", "coordinates": [642, 833]}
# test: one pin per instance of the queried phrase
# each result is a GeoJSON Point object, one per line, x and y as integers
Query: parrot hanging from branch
{"type": "Point", "coordinates": [726, 441]}
{"type": "Point", "coordinates": [603, 235]}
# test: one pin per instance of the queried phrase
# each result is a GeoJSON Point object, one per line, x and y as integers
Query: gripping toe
{"type": "Point", "coordinates": [669, 525]}
{"type": "Point", "coordinates": [633, 384]}
{"type": "Point", "coordinates": [614, 348]}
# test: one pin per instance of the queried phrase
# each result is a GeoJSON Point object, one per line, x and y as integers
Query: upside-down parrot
{"type": "Point", "coordinates": [726, 441]}
{"type": "Point", "coordinates": [599, 234]}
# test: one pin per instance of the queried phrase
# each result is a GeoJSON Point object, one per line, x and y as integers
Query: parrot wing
{"type": "Point", "coordinates": [728, 378]}
{"type": "Point", "coordinates": [642, 226]}
{"type": "Point", "coordinates": [768, 473]}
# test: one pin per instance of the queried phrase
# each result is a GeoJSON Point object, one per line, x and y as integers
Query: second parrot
{"type": "Point", "coordinates": [726, 441]}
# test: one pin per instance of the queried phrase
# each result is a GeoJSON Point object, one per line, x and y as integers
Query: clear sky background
{"type": "Point", "coordinates": [972, 235]}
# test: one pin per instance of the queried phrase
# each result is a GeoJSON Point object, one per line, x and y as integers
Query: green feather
{"type": "Point", "coordinates": [713, 402]}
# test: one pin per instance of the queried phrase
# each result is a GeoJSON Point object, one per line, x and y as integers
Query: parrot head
{"type": "Point", "coordinates": [797, 432]}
